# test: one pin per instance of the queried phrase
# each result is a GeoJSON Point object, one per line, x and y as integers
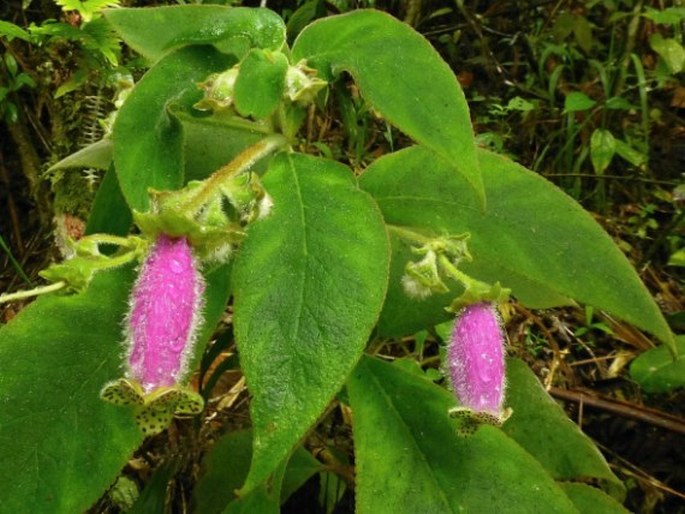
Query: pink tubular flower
{"type": "Point", "coordinates": [165, 312]}
{"type": "Point", "coordinates": [476, 360]}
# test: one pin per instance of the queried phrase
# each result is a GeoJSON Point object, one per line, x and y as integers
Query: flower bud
{"type": "Point", "coordinates": [422, 279]}
{"type": "Point", "coordinates": [301, 84]}
{"type": "Point", "coordinates": [476, 362]}
{"type": "Point", "coordinates": [219, 90]}
{"type": "Point", "coordinates": [165, 312]}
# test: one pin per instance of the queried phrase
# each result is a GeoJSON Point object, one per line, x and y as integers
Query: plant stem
{"type": "Point", "coordinates": [14, 262]}
{"type": "Point", "coordinates": [633, 28]}
{"type": "Point", "coordinates": [241, 163]}
{"type": "Point", "coordinates": [459, 276]}
{"type": "Point", "coordinates": [111, 240]}
{"type": "Point", "coordinates": [410, 235]}
{"type": "Point", "coordinates": [117, 261]}
{"type": "Point", "coordinates": [19, 295]}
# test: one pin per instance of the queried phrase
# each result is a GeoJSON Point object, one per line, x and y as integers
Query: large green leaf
{"type": "Point", "coordinates": [154, 497]}
{"type": "Point", "coordinates": [110, 213]}
{"type": "Point", "coordinates": [148, 143]}
{"type": "Point", "coordinates": [410, 459]}
{"type": "Point", "coordinates": [657, 371]}
{"type": "Point", "coordinates": [212, 142]}
{"type": "Point", "coordinates": [589, 500]}
{"type": "Point", "coordinates": [533, 238]}
{"type": "Point", "coordinates": [60, 445]}
{"type": "Point", "coordinates": [217, 292]}
{"type": "Point", "coordinates": [152, 32]}
{"type": "Point", "coordinates": [541, 427]}
{"type": "Point", "coordinates": [98, 155]}
{"type": "Point", "coordinates": [260, 83]}
{"type": "Point", "coordinates": [263, 499]}
{"type": "Point", "coordinates": [225, 468]}
{"type": "Point", "coordinates": [308, 282]}
{"type": "Point", "coordinates": [400, 75]}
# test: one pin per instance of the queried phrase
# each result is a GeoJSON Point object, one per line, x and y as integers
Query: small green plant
{"type": "Point", "coordinates": [17, 80]}
{"type": "Point", "coordinates": [97, 46]}
{"type": "Point", "coordinates": [86, 8]}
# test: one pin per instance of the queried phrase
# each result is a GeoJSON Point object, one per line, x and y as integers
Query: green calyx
{"type": "Point", "coordinates": [153, 411]}
{"type": "Point", "coordinates": [441, 257]}
{"type": "Point", "coordinates": [301, 84]}
{"type": "Point", "coordinates": [212, 214]}
{"type": "Point", "coordinates": [218, 89]}
{"type": "Point", "coordinates": [469, 420]}
{"type": "Point", "coordinates": [266, 87]}
{"type": "Point", "coordinates": [297, 84]}
{"type": "Point", "coordinates": [474, 290]}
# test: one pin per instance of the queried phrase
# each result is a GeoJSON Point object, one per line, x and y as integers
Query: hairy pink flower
{"type": "Point", "coordinates": [476, 360]}
{"type": "Point", "coordinates": [165, 312]}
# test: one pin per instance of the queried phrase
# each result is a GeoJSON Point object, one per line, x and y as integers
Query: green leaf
{"type": "Point", "coordinates": [630, 154]}
{"type": "Point", "coordinates": [11, 31]}
{"type": "Point", "coordinates": [309, 283]}
{"type": "Point", "coordinates": [657, 371]}
{"type": "Point", "coordinates": [602, 149]}
{"type": "Point", "coordinates": [154, 497]}
{"type": "Point", "coordinates": [533, 238]}
{"type": "Point", "coordinates": [542, 428]}
{"type": "Point", "coordinates": [402, 76]}
{"type": "Point", "coordinates": [409, 458]}
{"type": "Point", "coordinates": [677, 258]}
{"type": "Point", "coordinates": [86, 8]}
{"type": "Point", "coordinates": [225, 468]}
{"type": "Point", "coordinates": [98, 155]}
{"type": "Point", "coordinates": [619, 103]}
{"type": "Point", "coordinates": [563, 25]}
{"type": "Point", "coordinates": [670, 51]}
{"type": "Point", "coordinates": [301, 467]}
{"type": "Point", "coordinates": [264, 499]}
{"type": "Point", "coordinates": [77, 79]}
{"type": "Point", "coordinates": [11, 65]}
{"type": "Point", "coordinates": [57, 29]}
{"type": "Point", "coordinates": [209, 143]}
{"type": "Point", "coordinates": [577, 101]}
{"type": "Point", "coordinates": [148, 143]}
{"type": "Point", "coordinates": [98, 36]}
{"type": "Point", "coordinates": [260, 83]}
{"type": "Point", "coordinates": [212, 142]}
{"type": "Point", "coordinates": [668, 16]}
{"type": "Point", "coordinates": [60, 445]}
{"type": "Point", "coordinates": [154, 31]}
{"type": "Point", "coordinates": [590, 500]}
{"type": "Point", "coordinates": [520, 104]}
{"type": "Point", "coordinates": [582, 30]}
{"type": "Point", "coordinates": [303, 15]}
{"type": "Point", "coordinates": [110, 213]}
{"type": "Point", "coordinates": [216, 297]}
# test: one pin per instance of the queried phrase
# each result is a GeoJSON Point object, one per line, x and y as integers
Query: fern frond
{"type": "Point", "coordinates": [87, 8]}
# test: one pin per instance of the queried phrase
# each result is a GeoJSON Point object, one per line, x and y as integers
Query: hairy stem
{"type": "Point", "coordinates": [241, 163]}
{"type": "Point", "coordinates": [19, 295]}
